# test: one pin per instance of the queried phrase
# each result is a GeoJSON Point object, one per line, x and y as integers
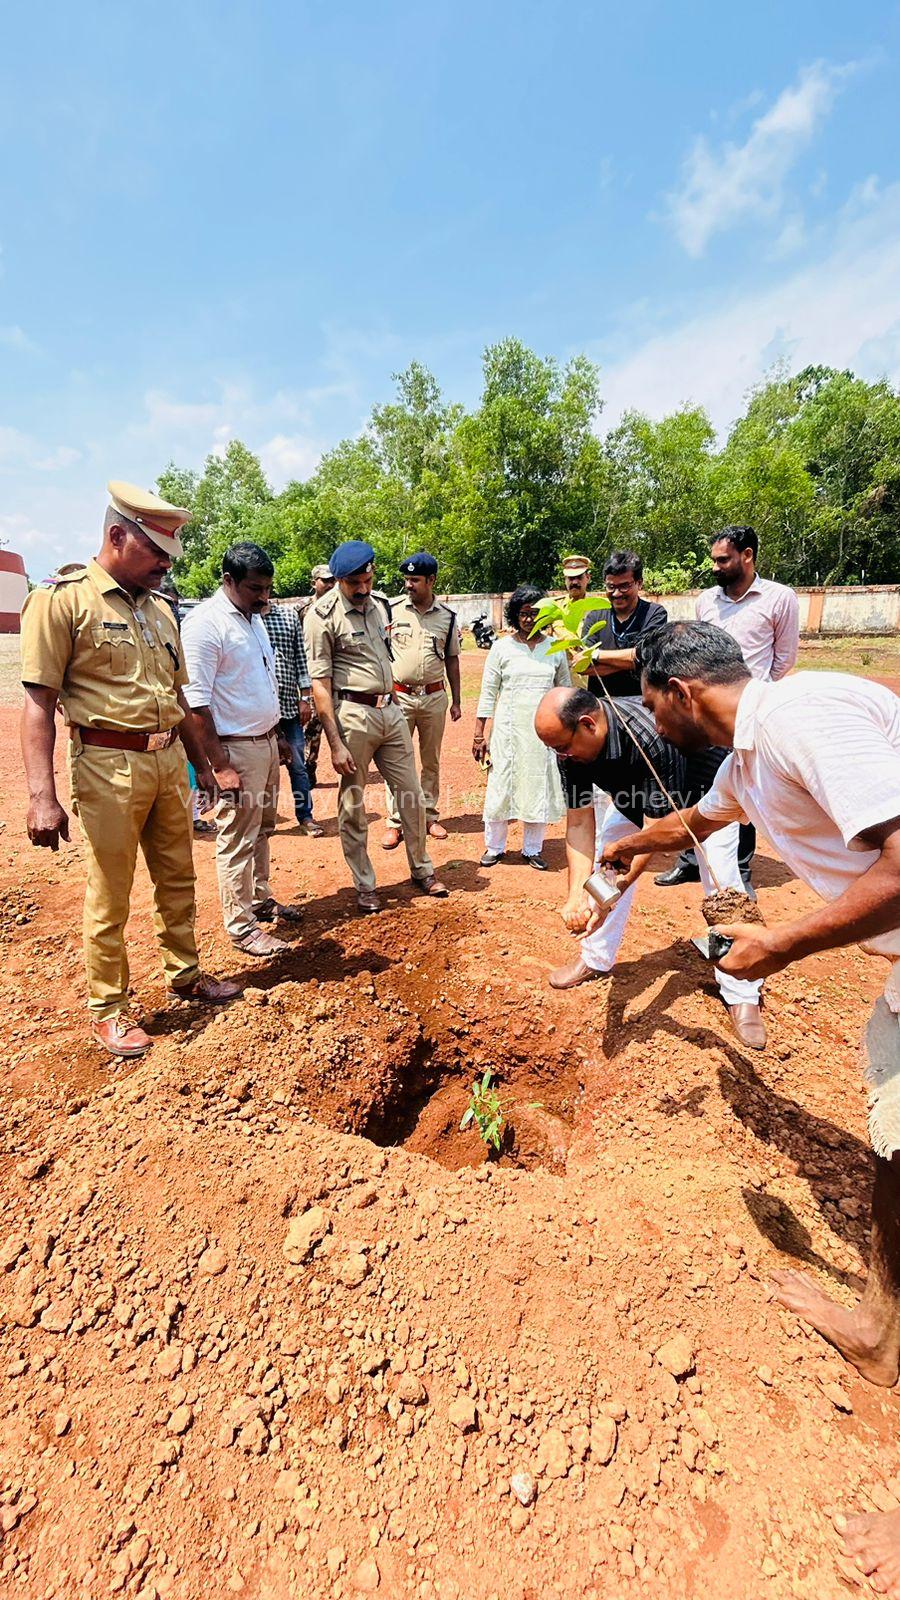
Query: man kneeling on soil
{"type": "Point", "coordinates": [609, 746]}
{"type": "Point", "coordinates": [815, 764]}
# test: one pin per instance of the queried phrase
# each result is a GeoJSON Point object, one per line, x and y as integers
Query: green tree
{"type": "Point", "coordinates": [523, 476]}
{"type": "Point", "coordinates": [225, 503]}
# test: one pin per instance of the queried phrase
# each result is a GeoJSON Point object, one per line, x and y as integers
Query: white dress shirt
{"type": "Point", "coordinates": [816, 762]}
{"type": "Point", "coordinates": [231, 666]}
{"type": "Point", "coordinates": [765, 621]}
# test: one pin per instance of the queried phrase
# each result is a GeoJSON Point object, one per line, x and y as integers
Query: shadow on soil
{"type": "Point", "coordinates": [825, 1155]}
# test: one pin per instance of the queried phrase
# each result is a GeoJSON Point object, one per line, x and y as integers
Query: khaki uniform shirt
{"type": "Point", "coordinates": [114, 662]}
{"type": "Point", "coordinates": [347, 645]}
{"type": "Point", "coordinates": [422, 641]}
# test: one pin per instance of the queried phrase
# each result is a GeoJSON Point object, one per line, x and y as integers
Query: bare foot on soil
{"type": "Point", "coordinates": [853, 1333]}
{"type": "Point", "coordinates": [873, 1542]}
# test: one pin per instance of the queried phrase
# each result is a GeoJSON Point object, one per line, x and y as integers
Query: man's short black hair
{"type": "Point", "coordinates": [244, 557]}
{"type": "Point", "coordinates": [622, 561]}
{"type": "Point", "coordinates": [578, 703]}
{"type": "Point", "coordinates": [689, 650]}
{"type": "Point", "coordinates": [741, 535]}
{"type": "Point", "coordinates": [525, 595]}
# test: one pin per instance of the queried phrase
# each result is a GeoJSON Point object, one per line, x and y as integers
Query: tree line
{"type": "Point", "coordinates": [501, 492]}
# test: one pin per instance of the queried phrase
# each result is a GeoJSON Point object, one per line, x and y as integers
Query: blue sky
{"type": "Point", "coordinates": [233, 220]}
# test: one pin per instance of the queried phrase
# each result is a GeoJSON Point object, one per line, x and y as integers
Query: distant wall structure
{"type": "Point", "coordinates": [13, 590]}
{"type": "Point", "coordinates": [871, 609]}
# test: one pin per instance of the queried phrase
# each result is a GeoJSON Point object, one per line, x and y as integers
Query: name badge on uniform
{"type": "Point", "coordinates": [116, 627]}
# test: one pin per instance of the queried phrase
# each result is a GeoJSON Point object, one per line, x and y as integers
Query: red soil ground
{"type": "Point", "coordinates": [271, 1325]}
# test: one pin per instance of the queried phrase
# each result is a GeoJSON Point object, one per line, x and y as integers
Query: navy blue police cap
{"type": "Point", "coordinates": [421, 565]}
{"type": "Point", "coordinates": [353, 556]}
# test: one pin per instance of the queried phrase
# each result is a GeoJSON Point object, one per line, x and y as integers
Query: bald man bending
{"type": "Point", "coordinates": [594, 748]}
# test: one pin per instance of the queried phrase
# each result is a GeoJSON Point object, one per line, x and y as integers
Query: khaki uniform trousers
{"type": "Point", "coordinates": [383, 737]}
{"type": "Point", "coordinates": [425, 714]}
{"type": "Point", "coordinates": [125, 799]}
{"type": "Point", "coordinates": [243, 828]}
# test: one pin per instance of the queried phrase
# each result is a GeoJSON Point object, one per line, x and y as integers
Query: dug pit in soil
{"type": "Point", "coordinates": [374, 1069]}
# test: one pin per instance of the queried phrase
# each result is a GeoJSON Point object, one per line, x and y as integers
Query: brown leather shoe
{"type": "Point", "coordinates": [261, 943]}
{"type": "Point", "coordinates": [209, 991]}
{"type": "Point", "coordinates": [431, 886]}
{"type": "Point", "coordinates": [576, 972]}
{"type": "Point", "coordinates": [367, 900]}
{"type": "Point", "coordinates": [437, 830]}
{"type": "Point", "coordinates": [121, 1037]}
{"type": "Point", "coordinates": [747, 1022]}
{"type": "Point", "coordinates": [392, 837]}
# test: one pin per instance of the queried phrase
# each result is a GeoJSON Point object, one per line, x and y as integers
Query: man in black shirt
{"type": "Point", "coordinates": [609, 746]}
{"type": "Point", "coordinates": [629, 616]}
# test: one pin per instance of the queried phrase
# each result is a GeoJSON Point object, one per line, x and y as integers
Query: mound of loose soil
{"type": "Point", "coordinates": [730, 905]}
{"type": "Point", "coordinates": [271, 1325]}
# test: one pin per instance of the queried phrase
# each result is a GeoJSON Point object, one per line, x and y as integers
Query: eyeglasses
{"type": "Point", "coordinates": [613, 589]}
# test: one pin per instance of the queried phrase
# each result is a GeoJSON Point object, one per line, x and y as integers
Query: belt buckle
{"type": "Point", "coordinates": [158, 741]}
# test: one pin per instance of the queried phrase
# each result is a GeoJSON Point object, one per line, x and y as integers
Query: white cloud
{"type": "Point", "coordinates": [288, 456]}
{"type": "Point", "coordinates": [65, 455]}
{"type": "Point", "coordinates": [723, 186]}
{"type": "Point", "coordinates": [843, 311]}
{"type": "Point", "coordinates": [42, 551]}
{"type": "Point", "coordinates": [15, 338]}
{"type": "Point", "coordinates": [18, 449]}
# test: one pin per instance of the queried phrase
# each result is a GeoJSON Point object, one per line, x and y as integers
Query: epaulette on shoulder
{"type": "Point", "coordinates": [64, 577]}
{"type": "Point", "coordinates": [325, 603]}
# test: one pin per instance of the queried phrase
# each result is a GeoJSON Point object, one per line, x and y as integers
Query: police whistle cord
{"type": "Point", "coordinates": [644, 756]}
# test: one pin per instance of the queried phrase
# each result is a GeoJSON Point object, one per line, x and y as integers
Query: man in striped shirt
{"type": "Point", "coordinates": [282, 624]}
{"type": "Point", "coordinates": [613, 746]}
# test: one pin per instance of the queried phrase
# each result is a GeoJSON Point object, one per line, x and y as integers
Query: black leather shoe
{"type": "Point", "coordinates": [491, 857]}
{"type": "Point", "coordinates": [537, 862]}
{"type": "Point", "coordinates": [677, 874]}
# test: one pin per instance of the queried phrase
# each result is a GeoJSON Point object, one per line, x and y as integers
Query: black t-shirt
{"type": "Point", "coordinates": [623, 774]}
{"type": "Point", "coordinates": [646, 614]}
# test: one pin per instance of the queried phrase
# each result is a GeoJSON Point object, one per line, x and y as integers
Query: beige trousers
{"type": "Point", "coordinates": [424, 714]}
{"type": "Point", "coordinates": [243, 829]}
{"type": "Point", "coordinates": [383, 737]}
{"type": "Point", "coordinates": [125, 799]}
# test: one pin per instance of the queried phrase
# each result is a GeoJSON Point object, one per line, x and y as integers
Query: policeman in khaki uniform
{"type": "Point", "coordinates": [425, 645]}
{"type": "Point", "coordinates": [353, 681]}
{"type": "Point", "coordinates": [100, 642]}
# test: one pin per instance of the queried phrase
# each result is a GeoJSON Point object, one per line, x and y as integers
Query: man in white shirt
{"type": "Point", "coordinates": [764, 618]}
{"type": "Point", "coordinates": [815, 762]}
{"type": "Point", "coordinates": [233, 695]}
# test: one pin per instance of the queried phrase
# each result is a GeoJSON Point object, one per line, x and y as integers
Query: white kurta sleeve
{"type": "Point", "coordinates": [492, 681]}
{"type": "Point", "coordinates": [562, 677]}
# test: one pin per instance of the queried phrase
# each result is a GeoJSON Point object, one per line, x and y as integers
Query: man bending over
{"type": "Point", "coordinates": [815, 764]}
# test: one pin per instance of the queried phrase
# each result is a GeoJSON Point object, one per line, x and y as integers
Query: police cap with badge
{"type": "Point", "coordinates": [421, 565]}
{"type": "Point", "coordinates": [351, 557]}
{"type": "Point", "coordinates": [155, 517]}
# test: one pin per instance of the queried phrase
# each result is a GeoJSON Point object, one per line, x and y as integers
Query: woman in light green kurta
{"type": "Point", "coordinates": [523, 782]}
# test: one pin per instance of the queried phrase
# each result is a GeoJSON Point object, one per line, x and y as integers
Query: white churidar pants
{"type": "Point", "coordinates": [532, 837]}
{"type": "Point", "coordinates": [600, 948]}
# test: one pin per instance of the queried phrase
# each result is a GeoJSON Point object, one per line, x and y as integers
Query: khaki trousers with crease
{"type": "Point", "coordinates": [126, 799]}
{"type": "Point", "coordinates": [243, 829]}
{"type": "Point", "coordinates": [383, 737]}
{"type": "Point", "coordinates": [426, 715]}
